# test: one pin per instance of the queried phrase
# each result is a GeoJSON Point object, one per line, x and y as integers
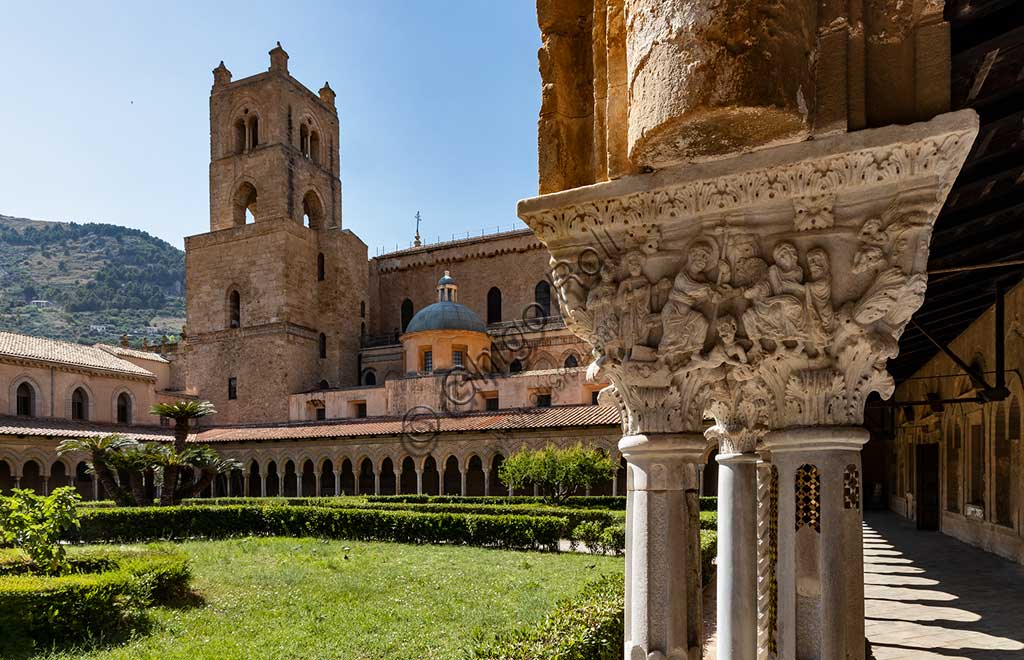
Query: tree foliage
{"type": "Point", "coordinates": [35, 524]}
{"type": "Point", "coordinates": [560, 473]}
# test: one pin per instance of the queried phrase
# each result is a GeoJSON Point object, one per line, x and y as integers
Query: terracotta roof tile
{"type": "Point", "coordinates": [500, 420]}
{"type": "Point", "coordinates": [55, 351]}
{"type": "Point", "coordinates": [62, 428]}
{"type": "Point", "coordinates": [123, 351]}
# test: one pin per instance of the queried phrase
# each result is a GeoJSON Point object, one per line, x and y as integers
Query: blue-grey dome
{"type": "Point", "coordinates": [446, 279]}
{"type": "Point", "coordinates": [446, 316]}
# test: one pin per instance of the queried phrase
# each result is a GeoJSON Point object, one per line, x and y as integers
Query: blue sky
{"type": "Point", "coordinates": [104, 108]}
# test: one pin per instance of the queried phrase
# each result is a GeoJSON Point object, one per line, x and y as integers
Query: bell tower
{"type": "Point", "coordinates": [273, 291]}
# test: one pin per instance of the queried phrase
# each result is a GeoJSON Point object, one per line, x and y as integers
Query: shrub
{"type": "Point", "coordinates": [709, 504]}
{"type": "Point", "coordinates": [37, 610]}
{"type": "Point", "coordinates": [613, 539]}
{"type": "Point", "coordinates": [616, 502]}
{"type": "Point", "coordinates": [709, 520]}
{"type": "Point", "coordinates": [589, 534]}
{"type": "Point", "coordinates": [180, 522]}
{"type": "Point", "coordinates": [35, 524]}
{"type": "Point", "coordinates": [586, 627]}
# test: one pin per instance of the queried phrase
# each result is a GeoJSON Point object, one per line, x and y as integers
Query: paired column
{"type": "Point", "coordinates": [663, 582]}
{"type": "Point", "coordinates": [337, 483]}
{"type": "Point", "coordinates": [820, 568]}
{"type": "Point", "coordinates": [737, 556]}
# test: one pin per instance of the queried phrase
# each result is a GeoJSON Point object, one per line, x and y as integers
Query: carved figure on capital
{"type": "Point", "coordinates": [684, 325]}
{"type": "Point", "coordinates": [777, 311]}
{"type": "Point", "coordinates": [634, 303]}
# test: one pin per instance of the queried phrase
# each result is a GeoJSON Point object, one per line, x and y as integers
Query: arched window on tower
{"type": "Point", "coordinates": [124, 408]}
{"type": "Point", "coordinates": [314, 146]}
{"type": "Point", "coordinates": [571, 361]}
{"type": "Point", "coordinates": [304, 140]}
{"type": "Point", "coordinates": [234, 310]}
{"type": "Point", "coordinates": [406, 313]}
{"type": "Point", "coordinates": [320, 272]}
{"type": "Point", "coordinates": [254, 132]}
{"type": "Point", "coordinates": [515, 367]}
{"type": "Point", "coordinates": [245, 209]}
{"type": "Point", "coordinates": [323, 345]}
{"type": "Point", "coordinates": [79, 404]}
{"type": "Point", "coordinates": [370, 377]}
{"type": "Point", "coordinates": [240, 136]}
{"type": "Point", "coordinates": [494, 305]}
{"type": "Point", "coordinates": [26, 400]}
{"type": "Point", "coordinates": [542, 299]}
{"type": "Point", "coordinates": [312, 211]}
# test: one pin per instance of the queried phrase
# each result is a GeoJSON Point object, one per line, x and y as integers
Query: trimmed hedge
{"type": "Point", "coordinates": [39, 610]}
{"type": "Point", "coordinates": [589, 626]}
{"type": "Point", "coordinates": [183, 522]}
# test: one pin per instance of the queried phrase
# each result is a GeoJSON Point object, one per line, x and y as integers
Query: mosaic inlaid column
{"type": "Point", "coordinates": [771, 287]}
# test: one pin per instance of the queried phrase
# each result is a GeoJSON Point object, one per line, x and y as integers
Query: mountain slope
{"type": "Point", "coordinates": [88, 282]}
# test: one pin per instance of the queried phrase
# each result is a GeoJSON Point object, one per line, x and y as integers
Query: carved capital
{"type": "Point", "coordinates": [767, 290]}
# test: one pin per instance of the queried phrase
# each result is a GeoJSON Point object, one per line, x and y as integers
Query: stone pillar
{"type": "Point", "coordinates": [246, 481]}
{"type": "Point", "coordinates": [737, 546]}
{"type": "Point", "coordinates": [487, 482]}
{"type": "Point", "coordinates": [398, 481]}
{"type": "Point", "coordinates": [17, 481]}
{"type": "Point", "coordinates": [95, 488]}
{"type": "Point", "coordinates": [376, 483]}
{"type": "Point", "coordinates": [615, 485]}
{"type": "Point", "coordinates": [337, 483]}
{"type": "Point", "coordinates": [316, 479]}
{"type": "Point", "coordinates": [419, 482]}
{"type": "Point", "coordinates": [263, 484]}
{"type": "Point", "coordinates": [663, 588]}
{"type": "Point", "coordinates": [298, 484]}
{"type": "Point", "coordinates": [46, 485]}
{"type": "Point", "coordinates": [820, 546]}
{"type": "Point", "coordinates": [462, 483]}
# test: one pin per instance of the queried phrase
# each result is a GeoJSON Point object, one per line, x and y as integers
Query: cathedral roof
{"type": "Point", "coordinates": [446, 316]}
{"type": "Point", "coordinates": [54, 351]}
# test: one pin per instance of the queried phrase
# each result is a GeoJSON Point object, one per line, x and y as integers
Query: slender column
{"type": "Point", "coordinates": [440, 481]}
{"type": "Point", "coordinates": [398, 482]}
{"type": "Point", "coordinates": [337, 483]}
{"type": "Point", "coordinates": [95, 488]}
{"type": "Point", "coordinates": [17, 482]}
{"type": "Point", "coordinates": [419, 482]}
{"type": "Point", "coordinates": [615, 485]}
{"type": "Point", "coordinates": [245, 485]}
{"type": "Point", "coordinates": [511, 492]}
{"type": "Point", "coordinates": [462, 483]}
{"type": "Point", "coordinates": [700, 479]}
{"type": "Point", "coordinates": [536, 490]}
{"type": "Point", "coordinates": [737, 556]}
{"type": "Point", "coordinates": [46, 485]}
{"type": "Point", "coordinates": [316, 478]}
{"type": "Point", "coordinates": [487, 482]}
{"type": "Point", "coordinates": [376, 483]}
{"type": "Point", "coordinates": [821, 562]}
{"type": "Point", "coordinates": [263, 484]}
{"type": "Point", "coordinates": [663, 594]}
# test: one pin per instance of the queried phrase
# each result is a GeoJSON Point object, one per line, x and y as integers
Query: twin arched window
{"type": "Point", "coordinates": [309, 142]}
{"type": "Point", "coordinates": [124, 408]}
{"type": "Point", "coordinates": [494, 305]}
{"type": "Point", "coordinates": [26, 396]}
{"type": "Point", "coordinates": [79, 405]}
{"type": "Point", "coordinates": [542, 299]}
{"type": "Point", "coordinates": [247, 132]}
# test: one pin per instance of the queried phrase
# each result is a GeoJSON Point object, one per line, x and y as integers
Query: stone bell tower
{"type": "Point", "coordinates": [274, 289]}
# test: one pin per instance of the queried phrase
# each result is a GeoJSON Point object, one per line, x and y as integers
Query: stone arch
{"type": "Point", "coordinates": [82, 479]}
{"type": "Point", "coordinates": [367, 476]}
{"type": "Point", "coordinates": [310, 138]}
{"type": "Point", "coordinates": [388, 483]}
{"type": "Point", "coordinates": [348, 481]}
{"type": "Point", "coordinates": [35, 405]}
{"type": "Point", "coordinates": [244, 126]}
{"type": "Point", "coordinates": [32, 475]}
{"type": "Point", "coordinates": [60, 472]}
{"type": "Point", "coordinates": [272, 472]}
{"type": "Point", "coordinates": [497, 486]}
{"type": "Point", "coordinates": [475, 476]}
{"type": "Point", "coordinates": [542, 360]}
{"type": "Point", "coordinates": [431, 476]}
{"type": "Point", "coordinates": [312, 210]}
{"type": "Point", "coordinates": [452, 476]}
{"type": "Point", "coordinates": [245, 204]}
{"type": "Point", "coordinates": [307, 478]}
{"type": "Point", "coordinates": [80, 402]}
{"type": "Point", "coordinates": [407, 479]}
{"type": "Point", "coordinates": [7, 474]}
{"type": "Point", "coordinates": [325, 468]}
{"type": "Point", "coordinates": [122, 406]}
{"type": "Point", "coordinates": [369, 377]}
{"type": "Point", "coordinates": [570, 360]}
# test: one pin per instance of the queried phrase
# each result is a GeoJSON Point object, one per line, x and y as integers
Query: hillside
{"type": "Point", "coordinates": [88, 282]}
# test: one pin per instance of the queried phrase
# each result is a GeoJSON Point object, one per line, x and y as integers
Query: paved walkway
{"type": "Point", "coordinates": [928, 596]}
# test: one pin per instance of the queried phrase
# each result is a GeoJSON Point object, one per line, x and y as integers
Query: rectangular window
{"type": "Point", "coordinates": [232, 388]}
{"type": "Point", "coordinates": [428, 361]}
{"type": "Point", "coordinates": [361, 409]}
{"type": "Point", "coordinates": [457, 359]}
{"type": "Point", "coordinates": [491, 403]}
{"type": "Point", "coordinates": [321, 414]}
{"type": "Point", "coordinates": [543, 400]}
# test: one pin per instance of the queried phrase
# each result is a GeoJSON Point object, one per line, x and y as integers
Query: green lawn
{"type": "Point", "coordinates": [271, 598]}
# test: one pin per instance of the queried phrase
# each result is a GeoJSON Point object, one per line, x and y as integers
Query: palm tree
{"type": "Point", "coordinates": [101, 449]}
{"type": "Point", "coordinates": [182, 412]}
{"type": "Point", "coordinates": [173, 463]}
{"type": "Point", "coordinates": [210, 464]}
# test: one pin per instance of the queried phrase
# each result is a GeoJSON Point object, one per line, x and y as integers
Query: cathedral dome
{"type": "Point", "coordinates": [446, 313]}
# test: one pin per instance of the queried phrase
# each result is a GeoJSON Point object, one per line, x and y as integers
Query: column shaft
{"type": "Point", "coordinates": [737, 557]}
